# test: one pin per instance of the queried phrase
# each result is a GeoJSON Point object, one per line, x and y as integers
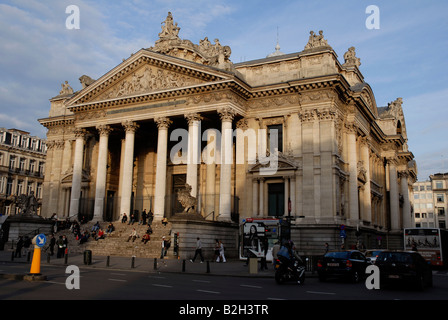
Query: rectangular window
{"type": "Point", "coordinates": [12, 162]}
{"type": "Point", "coordinates": [275, 137]}
{"type": "Point", "coordinates": [440, 197]}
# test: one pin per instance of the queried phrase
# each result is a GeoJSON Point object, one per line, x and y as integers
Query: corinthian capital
{"type": "Point", "coordinates": [80, 133]}
{"type": "Point", "coordinates": [226, 114]}
{"type": "Point", "coordinates": [130, 126]}
{"type": "Point", "coordinates": [163, 122]}
{"type": "Point", "coordinates": [192, 117]}
{"type": "Point", "coordinates": [104, 129]}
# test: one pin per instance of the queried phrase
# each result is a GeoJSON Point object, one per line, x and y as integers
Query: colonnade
{"type": "Point", "coordinates": [227, 115]}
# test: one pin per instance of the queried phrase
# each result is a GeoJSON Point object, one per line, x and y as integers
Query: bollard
{"type": "Point", "coordinates": [208, 266]}
{"type": "Point", "coordinates": [107, 261]}
{"type": "Point", "coordinates": [132, 262]}
{"type": "Point", "coordinates": [155, 263]}
{"type": "Point", "coordinates": [183, 265]}
{"type": "Point", "coordinates": [66, 259]}
{"type": "Point", "coordinates": [12, 256]}
{"type": "Point", "coordinates": [28, 257]}
{"type": "Point", "coordinates": [48, 258]}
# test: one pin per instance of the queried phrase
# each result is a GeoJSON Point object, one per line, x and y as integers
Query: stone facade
{"type": "Point", "coordinates": [296, 134]}
{"type": "Point", "coordinates": [22, 168]}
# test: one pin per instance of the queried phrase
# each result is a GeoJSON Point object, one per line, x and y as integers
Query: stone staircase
{"type": "Point", "coordinates": [116, 244]}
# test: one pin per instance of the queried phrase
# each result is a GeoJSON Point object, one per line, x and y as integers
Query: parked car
{"type": "Point", "coordinates": [407, 267]}
{"type": "Point", "coordinates": [372, 255]}
{"type": "Point", "coordinates": [350, 264]}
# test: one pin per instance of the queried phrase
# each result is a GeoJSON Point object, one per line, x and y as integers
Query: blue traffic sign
{"type": "Point", "coordinates": [41, 239]}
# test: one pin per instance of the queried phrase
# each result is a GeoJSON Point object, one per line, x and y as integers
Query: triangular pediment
{"type": "Point", "coordinates": [276, 162]}
{"type": "Point", "coordinates": [144, 73]}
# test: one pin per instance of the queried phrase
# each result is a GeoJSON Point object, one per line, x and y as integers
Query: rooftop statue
{"type": "Point", "coordinates": [66, 89]}
{"type": "Point", "coordinates": [350, 58]}
{"type": "Point", "coordinates": [169, 31]}
{"type": "Point", "coordinates": [316, 41]}
{"type": "Point", "coordinates": [207, 53]}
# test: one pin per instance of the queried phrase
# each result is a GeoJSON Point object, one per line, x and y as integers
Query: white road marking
{"type": "Point", "coordinates": [162, 285]}
{"type": "Point", "coordinates": [319, 292]}
{"type": "Point", "coordinates": [207, 291]}
{"type": "Point", "coordinates": [250, 286]}
{"type": "Point", "coordinates": [119, 280]}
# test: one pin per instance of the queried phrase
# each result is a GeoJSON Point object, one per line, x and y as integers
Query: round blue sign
{"type": "Point", "coordinates": [41, 239]}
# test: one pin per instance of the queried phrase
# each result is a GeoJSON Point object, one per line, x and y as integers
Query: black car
{"type": "Point", "coordinates": [350, 264]}
{"type": "Point", "coordinates": [404, 267]}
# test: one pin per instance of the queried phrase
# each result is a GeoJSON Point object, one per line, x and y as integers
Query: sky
{"type": "Point", "coordinates": [405, 56]}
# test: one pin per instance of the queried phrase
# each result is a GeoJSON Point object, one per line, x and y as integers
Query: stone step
{"type": "Point", "coordinates": [116, 244]}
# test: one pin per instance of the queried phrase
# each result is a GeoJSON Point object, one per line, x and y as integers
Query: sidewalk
{"type": "Point", "coordinates": [236, 268]}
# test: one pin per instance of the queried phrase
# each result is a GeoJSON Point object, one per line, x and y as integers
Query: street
{"type": "Point", "coordinates": [110, 284]}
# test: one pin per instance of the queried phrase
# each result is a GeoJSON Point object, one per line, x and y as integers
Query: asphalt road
{"type": "Point", "coordinates": [110, 284]}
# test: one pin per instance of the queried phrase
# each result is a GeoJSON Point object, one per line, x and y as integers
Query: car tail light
{"type": "Point", "coordinates": [319, 264]}
{"type": "Point", "coordinates": [348, 264]}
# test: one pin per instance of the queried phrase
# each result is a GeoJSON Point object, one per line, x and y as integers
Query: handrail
{"type": "Point", "coordinates": [213, 212]}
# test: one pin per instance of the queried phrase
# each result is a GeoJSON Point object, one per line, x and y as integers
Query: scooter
{"type": "Point", "coordinates": [285, 271]}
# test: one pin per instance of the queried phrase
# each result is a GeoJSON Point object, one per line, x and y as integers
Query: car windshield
{"type": "Point", "coordinates": [372, 253]}
{"type": "Point", "coordinates": [395, 257]}
{"type": "Point", "coordinates": [339, 255]}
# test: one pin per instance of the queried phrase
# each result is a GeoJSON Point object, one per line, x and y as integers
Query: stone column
{"type": "Point", "coordinates": [261, 198]}
{"type": "Point", "coordinates": [367, 197]}
{"type": "Point", "coordinates": [225, 198]}
{"type": "Point", "coordinates": [210, 182]}
{"type": "Point", "coordinates": [77, 172]}
{"type": "Point", "coordinates": [100, 192]}
{"type": "Point", "coordinates": [407, 218]}
{"type": "Point", "coordinates": [292, 186]}
{"type": "Point", "coordinates": [286, 183]}
{"type": "Point", "coordinates": [193, 159]}
{"type": "Point", "coordinates": [254, 197]}
{"type": "Point", "coordinates": [162, 151]}
{"type": "Point", "coordinates": [394, 196]}
{"type": "Point", "coordinates": [353, 171]}
{"type": "Point", "coordinates": [128, 167]}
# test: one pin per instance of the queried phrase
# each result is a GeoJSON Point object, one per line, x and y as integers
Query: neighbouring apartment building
{"type": "Point", "coordinates": [430, 202]}
{"type": "Point", "coordinates": [22, 167]}
{"type": "Point", "coordinates": [439, 183]}
{"type": "Point", "coordinates": [296, 134]}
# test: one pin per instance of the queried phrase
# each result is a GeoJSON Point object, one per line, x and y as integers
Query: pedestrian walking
{"type": "Point", "coordinates": [216, 250]}
{"type": "Point", "coordinates": [19, 247]}
{"type": "Point", "coordinates": [222, 257]}
{"type": "Point", "coordinates": [198, 250]}
{"type": "Point", "coordinates": [164, 247]}
{"type": "Point", "coordinates": [52, 244]}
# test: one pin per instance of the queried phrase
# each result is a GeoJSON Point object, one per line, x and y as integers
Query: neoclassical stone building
{"type": "Point", "coordinates": [295, 134]}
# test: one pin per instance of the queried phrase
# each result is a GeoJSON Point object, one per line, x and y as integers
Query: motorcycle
{"type": "Point", "coordinates": [286, 271]}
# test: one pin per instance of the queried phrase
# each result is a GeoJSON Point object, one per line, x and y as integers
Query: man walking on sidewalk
{"type": "Point", "coordinates": [198, 250]}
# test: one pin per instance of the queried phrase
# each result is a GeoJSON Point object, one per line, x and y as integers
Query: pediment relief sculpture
{"type": "Point", "coordinates": [148, 79]}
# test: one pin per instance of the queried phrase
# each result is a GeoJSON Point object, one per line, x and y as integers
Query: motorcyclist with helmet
{"type": "Point", "coordinates": [288, 252]}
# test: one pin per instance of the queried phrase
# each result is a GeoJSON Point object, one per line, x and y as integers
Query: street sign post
{"type": "Point", "coordinates": [38, 241]}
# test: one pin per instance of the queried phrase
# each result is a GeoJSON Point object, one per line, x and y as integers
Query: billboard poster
{"type": "Point", "coordinates": [258, 237]}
